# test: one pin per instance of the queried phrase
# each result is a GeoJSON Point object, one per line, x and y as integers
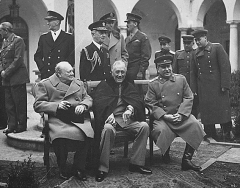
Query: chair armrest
{"type": "Point", "coordinates": [149, 115]}
{"type": "Point", "coordinates": [45, 131]}
{"type": "Point", "coordinates": [92, 118]}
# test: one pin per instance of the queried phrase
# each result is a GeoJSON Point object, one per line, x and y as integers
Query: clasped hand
{"type": "Point", "coordinates": [65, 105]}
{"type": "Point", "coordinates": [126, 115]}
{"type": "Point", "coordinates": [111, 120]}
{"type": "Point", "coordinates": [173, 118]}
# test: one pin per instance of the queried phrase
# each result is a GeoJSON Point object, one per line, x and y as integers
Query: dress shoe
{"type": "Point", "coordinates": [7, 131]}
{"type": "Point", "coordinates": [3, 127]}
{"type": "Point", "coordinates": [166, 158]}
{"type": "Point", "coordinates": [81, 175]}
{"type": "Point", "coordinates": [139, 169]}
{"type": "Point", "coordinates": [188, 165]}
{"type": "Point", "coordinates": [63, 176]}
{"type": "Point", "coordinates": [19, 130]}
{"type": "Point", "coordinates": [100, 176]}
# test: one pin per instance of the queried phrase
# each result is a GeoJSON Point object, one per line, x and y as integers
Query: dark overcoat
{"type": "Point", "coordinates": [213, 71]}
{"type": "Point", "coordinates": [117, 48]}
{"type": "Point", "coordinates": [94, 64]}
{"type": "Point", "coordinates": [182, 64]}
{"type": "Point", "coordinates": [12, 61]}
{"type": "Point", "coordinates": [170, 97]}
{"type": "Point", "coordinates": [50, 52]}
{"type": "Point", "coordinates": [49, 93]}
{"type": "Point", "coordinates": [139, 51]}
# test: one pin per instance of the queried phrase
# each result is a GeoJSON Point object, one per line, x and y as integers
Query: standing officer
{"type": "Point", "coordinates": [213, 71]}
{"type": "Point", "coordinates": [94, 59]}
{"type": "Point", "coordinates": [114, 41]}
{"type": "Point", "coordinates": [14, 78]}
{"type": "Point", "coordinates": [138, 47]}
{"type": "Point", "coordinates": [54, 46]}
{"type": "Point", "coordinates": [182, 64]}
{"type": "Point", "coordinates": [164, 47]}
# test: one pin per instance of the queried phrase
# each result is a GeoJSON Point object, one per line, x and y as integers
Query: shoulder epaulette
{"type": "Point", "coordinates": [154, 79]}
{"type": "Point", "coordinates": [172, 52]}
{"type": "Point", "coordinates": [179, 50]}
{"type": "Point", "coordinates": [45, 33]}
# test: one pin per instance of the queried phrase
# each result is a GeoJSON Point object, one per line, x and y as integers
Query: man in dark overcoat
{"type": "Point", "coordinates": [182, 64]}
{"type": "Point", "coordinates": [114, 41]}
{"type": "Point", "coordinates": [95, 59]}
{"type": "Point", "coordinates": [170, 98]}
{"type": "Point", "coordinates": [117, 105]}
{"type": "Point", "coordinates": [138, 47]}
{"type": "Point", "coordinates": [3, 114]}
{"type": "Point", "coordinates": [54, 46]}
{"type": "Point", "coordinates": [213, 73]}
{"type": "Point", "coordinates": [64, 98]}
{"type": "Point", "coordinates": [164, 42]}
{"type": "Point", "coordinates": [14, 78]}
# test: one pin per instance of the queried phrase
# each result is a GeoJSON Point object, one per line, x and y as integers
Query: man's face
{"type": "Point", "coordinates": [131, 25]}
{"type": "Point", "coordinates": [52, 24]}
{"type": "Point", "coordinates": [201, 41]}
{"type": "Point", "coordinates": [109, 25]}
{"type": "Point", "coordinates": [99, 36]}
{"type": "Point", "coordinates": [164, 46]}
{"type": "Point", "coordinates": [119, 73]}
{"type": "Point", "coordinates": [188, 45]}
{"type": "Point", "coordinates": [67, 75]}
{"type": "Point", "coordinates": [3, 33]}
{"type": "Point", "coordinates": [165, 71]}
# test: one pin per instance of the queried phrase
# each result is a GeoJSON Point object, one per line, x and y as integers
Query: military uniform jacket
{"type": "Point", "coordinates": [139, 50]}
{"type": "Point", "coordinates": [182, 64]}
{"type": "Point", "coordinates": [12, 61]}
{"type": "Point", "coordinates": [213, 71]}
{"type": "Point", "coordinates": [94, 64]}
{"type": "Point", "coordinates": [49, 93]}
{"type": "Point", "coordinates": [117, 48]}
{"type": "Point", "coordinates": [50, 52]}
{"type": "Point", "coordinates": [161, 53]}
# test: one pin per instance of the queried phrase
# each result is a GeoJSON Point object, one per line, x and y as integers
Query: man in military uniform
{"type": "Point", "coordinates": [213, 72]}
{"type": "Point", "coordinates": [54, 46]}
{"type": "Point", "coordinates": [138, 47]}
{"type": "Point", "coordinates": [114, 41]}
{"type": "Point", "coordinates": [170, 98]}
{"type": "Point", "coordinates": [14, 78]}
{"type": "Point", "coordinates": [164, 47]}
{"type": "Point", "coordinates": [94, 59]}
{"type": "Point", "coordinates": [182, 64]}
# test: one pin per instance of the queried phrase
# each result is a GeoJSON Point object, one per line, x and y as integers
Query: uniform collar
{"type": "Point", "coordinates": [10, 38]}
{"type": "Point", "coordinates": [96, 44]}
{"type": "Point", "coordinates": [163, 80]}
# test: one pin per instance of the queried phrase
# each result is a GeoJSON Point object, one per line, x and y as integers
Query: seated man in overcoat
{"type": "Point", "coordinates": [65, 100]}
{"type": "Point", "coordinates": [171, 99]}
{"type": "Point", "coordinates": [117, 105]}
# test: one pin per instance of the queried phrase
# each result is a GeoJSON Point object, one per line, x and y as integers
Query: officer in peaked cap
{"type": "Point", "coordinates": [183, 64]}
{"type": "Point", "coordinates": [164, 47]}
{"type": "Point", "coordinates": [54, 46]}
{"type": "Point", "coordinates": [163, 60]}
{"type": "Point", "coordinates": [108, 17]}
{"type": "Point", "coordinates": [133, 17]}
{"type": "Point", "coordinates": [52, 15]}
{"type": "Point", "coordinates": [213, 71]}
{"type": "Point", "coordinates": [94, 59]}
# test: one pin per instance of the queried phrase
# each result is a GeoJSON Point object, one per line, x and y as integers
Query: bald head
{"type": "Point", "coordinates": [64, 71]}
{"type": "Point", "coordinates": [6, 26]}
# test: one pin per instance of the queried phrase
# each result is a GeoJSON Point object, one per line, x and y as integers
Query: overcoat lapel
{"type": "Point", "coordinates": [112, 42]}
{"type": "Point", "coordinates": [73, 88]}
{"type": "Point", "coordinates": [49, 39]}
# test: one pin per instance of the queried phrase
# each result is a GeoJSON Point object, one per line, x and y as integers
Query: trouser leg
{"type": "Point", "coordinates": [10, 109]}
{"type": "Point", "coordinates": [19, 94]}
{"type": "Point", "coordinates": [106, 143]}
{"type": "Point", "coordinates": [210, 130]}
{"type": "Point", "coordinates": [61, 152]}
{"type": "Point", "coordinates": [227, 127]}
{"type": "Point", "coordinates": [3, 114]}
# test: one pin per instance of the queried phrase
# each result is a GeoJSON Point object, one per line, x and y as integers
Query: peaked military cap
{"type": "Point", "coordinates": [164, 38]}
{"type": "Point", "coordinates": [163, 60]}
{"type": "Point", "coordinates": [108, 17]}
{"type": "Point", "coordinates": [98, 25]}
{"type": "Point", "coordinates": [187, 38]}
{"type": "Point", "coordinates": [53, 16]}
{"type": "Point", "coordinates": [199, 33]}
{"type": "Point", "coordinates": [133, 17]}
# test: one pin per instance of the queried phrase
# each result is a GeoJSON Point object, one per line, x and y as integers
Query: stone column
{"type": "Point", "coordinates": [183, 32]}
{"type": "Point", "coordinates": [83, 17]}
{"type": "Point", "coordinates": [233, 46]}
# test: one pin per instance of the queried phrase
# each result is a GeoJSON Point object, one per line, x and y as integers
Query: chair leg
{"type": "Point", "coordinates": [126, 148]}
{"type": "Point", "coordinates": [151, 149]}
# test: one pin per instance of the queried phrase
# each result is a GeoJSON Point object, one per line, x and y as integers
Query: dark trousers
{"type": "Point", "coordinates": [16, 106]}
{"type": "Point", "coordinates": [210, 129]}
{"type": "Point", "coordinates": [195, 107]}
{"type": "Point", "coordinates": [3, 114]}
{"type": "Point", "coordinates": [61, 146]}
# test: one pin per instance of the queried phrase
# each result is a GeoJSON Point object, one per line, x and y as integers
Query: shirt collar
{"type": "Point", "coordinates": [98, 45]}
{"type": "Point", "coordinates": [163, 80]}
{"type": "Point", "coordinates": [57, 32]}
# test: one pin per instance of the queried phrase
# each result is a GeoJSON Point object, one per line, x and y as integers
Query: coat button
{"type": "Point", "coordinates": [178, 93]}
{"type": "Point", "coordinates": [58, 50]}
{"type": "Point", "coordinates": [77, 99]}
{"type": "Point", "coordinates": [48, 63]}
{"type": "Point", "coordinates": [49, 57]}
{"type": "Point", "coordinates": [48, 70]}
{"type": "Point", "coordinates": [163, 96]}
{"type": "Point", "coordinates": [58, 57]}
{"type": "Point", "coordinates": [164, 106]}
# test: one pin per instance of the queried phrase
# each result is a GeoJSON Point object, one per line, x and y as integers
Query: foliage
{"type": "Point", "coordinates": [22, 175]}
{"type": "Point", "coordinates": [235, 99]}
